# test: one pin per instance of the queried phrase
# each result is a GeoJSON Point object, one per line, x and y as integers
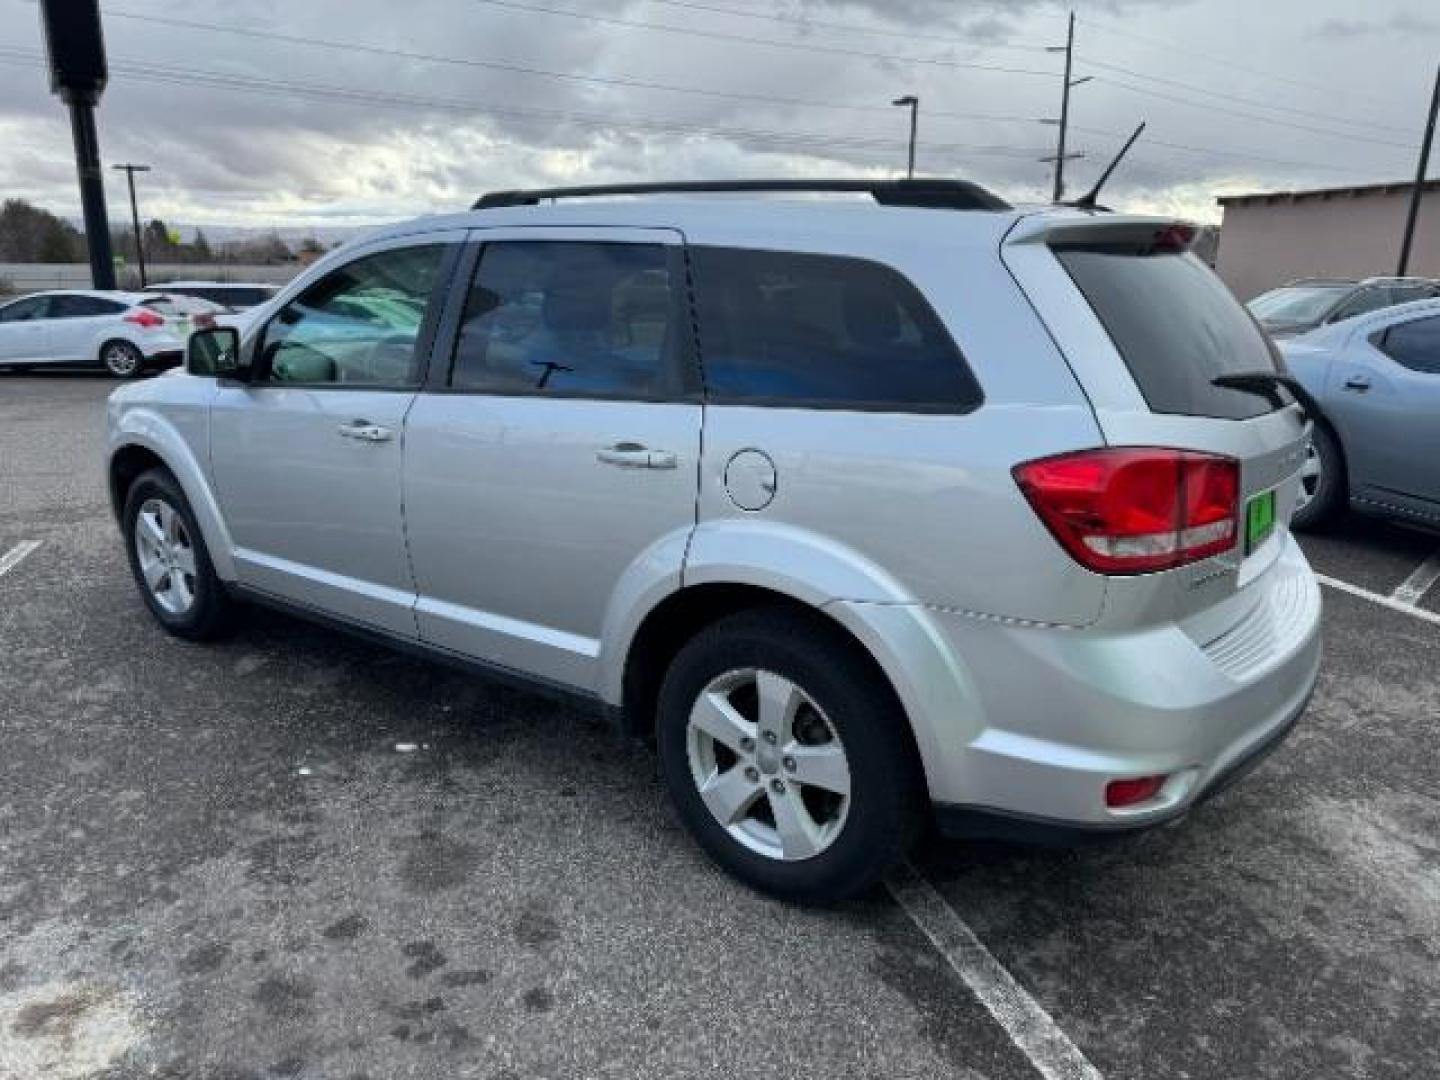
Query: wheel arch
{"type": "Point", "coordinates": [146, 440]}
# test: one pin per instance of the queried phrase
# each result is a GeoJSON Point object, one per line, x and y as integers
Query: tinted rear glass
{"type": "Point", "coordinates": [822, 331]}
{"type": "Point", "coordinates": [1176, 326]}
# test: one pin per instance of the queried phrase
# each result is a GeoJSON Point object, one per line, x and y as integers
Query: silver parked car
{"type": "Point", "coordinates": [1376, 447]}
{"type": "Point", "coordinates": [1303, 305]}
{"type": "Point", "coordinates": [869, 514]}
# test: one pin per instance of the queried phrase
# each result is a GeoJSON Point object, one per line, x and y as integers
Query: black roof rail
{"type": "Point", "coordinates": [940, 194]}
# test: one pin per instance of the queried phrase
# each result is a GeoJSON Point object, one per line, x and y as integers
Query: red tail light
{"type": "Point", "coordinates": [1133, 510]}
{"type": "Point", "coordinates": [145, 318]}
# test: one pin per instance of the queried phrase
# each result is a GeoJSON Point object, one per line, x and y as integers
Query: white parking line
{"type": "Point", "coordinates": [11, 558]}
{"type": "Point", "coordinates": [1378, 598]}
{"type": "Point", "coordinates": [1418, 584]}
{"type": "Point", "coordinates": [1029, 1026]}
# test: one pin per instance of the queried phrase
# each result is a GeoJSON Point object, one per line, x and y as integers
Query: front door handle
{"type": "Point", "coordinates": [630, 455]}
{"type": "Point", "coordinates": [1359, 383]}
{"type": "Point", "coordinates": [366, 431]}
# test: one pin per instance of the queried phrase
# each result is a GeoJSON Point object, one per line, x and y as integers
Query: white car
{"type": "Point", "coordinates": [120, 331]}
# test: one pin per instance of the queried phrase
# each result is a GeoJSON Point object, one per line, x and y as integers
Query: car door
{"type": "Point", "coordinates": [24, 330]}
{"type": "Point", "coordinates": [557, 458]}
{"type": "Point", "coordinates": [1384, 396]}
{"type": "Point", "coordinates": [78, 324]}
{"type": "Point", "coordinates": [306, 456]}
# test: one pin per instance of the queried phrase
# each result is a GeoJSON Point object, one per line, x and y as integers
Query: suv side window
{"type": "Point", "coordinates": [1414, 344]}
{"type": "Point", "coordinates": [357, 325]}
{"type": "Point", "coordinates": [32, 307]}
{"type": "Point", "coordinates": [822, 331]}
{"type": "Point", "coordinates": [570, 318]}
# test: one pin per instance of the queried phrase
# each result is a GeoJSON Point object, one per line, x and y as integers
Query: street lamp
{"type": "Point", "coordinates": [914, 103]}
{"type": "Point", "coordinates": [130, 171]}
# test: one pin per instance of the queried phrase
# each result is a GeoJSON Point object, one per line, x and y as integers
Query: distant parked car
{"type": "Point", "coordinates": [235, 296]}
{"type": "Point", "coordinates": [122, 332]}
{"type": "Point", "coordinates": [1303, 305]}
{"type": "Point", "coordinates": [1376, 446]}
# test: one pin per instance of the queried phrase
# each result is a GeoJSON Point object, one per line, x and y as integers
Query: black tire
{"type": "Point", "coordinates": [1330, 495]}
{"type": "Point", "coordinates": [211, 612]}
{"type": "Point", "coordinates": [122, 359]}
{"type": "Point", "coordinates": [887, 789]}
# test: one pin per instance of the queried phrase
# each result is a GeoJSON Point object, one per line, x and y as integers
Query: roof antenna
{"type": "Point", "coordinates": [1087, 201]}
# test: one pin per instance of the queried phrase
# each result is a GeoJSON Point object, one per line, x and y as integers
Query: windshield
{"type": "Point", "coordinates": [1298, 303]}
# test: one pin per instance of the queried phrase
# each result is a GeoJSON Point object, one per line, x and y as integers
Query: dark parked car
{"type": "Point", "coordinates": [1303, 305]}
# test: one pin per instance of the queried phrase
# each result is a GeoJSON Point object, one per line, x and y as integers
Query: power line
{"type": "Point", "coordinates": [1111, 80]}
{"type": "Point", "coordinates": [811, 141]}
{"type": "Point", "coordinates": [832, 50]}
{"type": "Point", "coordinates": [1169, 47]}
{"type": "Point", "coordinates": [805, 22]}
{"type": "Point", "coordinates": [521, 69]}
{"type": "Point", "coordinates": [1205, 91]}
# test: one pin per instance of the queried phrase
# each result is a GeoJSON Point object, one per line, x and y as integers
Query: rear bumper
{"type": "Point", "coordinates": [960, 822]}
{"type": "Point", "coordinates": [1021, 727]}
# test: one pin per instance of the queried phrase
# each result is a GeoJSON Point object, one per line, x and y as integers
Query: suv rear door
{"type": "Point", "coordinates": [555, 448]}
{"type": "Point", "coordinates": [1146, 327]}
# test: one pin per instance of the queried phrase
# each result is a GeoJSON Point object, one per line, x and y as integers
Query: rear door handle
{"type": "Point", "coordinates": [1359, 383]}
{"type": "Point", "coordinates": [365, 431]}
{"type": "Point", "coordinates": [630, 455]}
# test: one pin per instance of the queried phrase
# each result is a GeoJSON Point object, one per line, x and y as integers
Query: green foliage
{"type": "Point", "coordinates": [30, 234]}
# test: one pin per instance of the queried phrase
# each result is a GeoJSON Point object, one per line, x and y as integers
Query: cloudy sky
{"type": "Point", "coordinates": [323, 113]}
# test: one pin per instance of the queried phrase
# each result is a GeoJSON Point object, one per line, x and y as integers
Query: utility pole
{"type": "Point", "coordinates": [914, 103]}
{"type": "Point", "coordinates": [1420, 172]}
{"type": "Point", "coordinates": [130, 171]}
{"type": "Point", "coordinates": [1064, 122]}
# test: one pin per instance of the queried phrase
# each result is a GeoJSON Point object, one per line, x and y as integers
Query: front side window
{"type": "Point", "coordinates": [569, 318]}
{"type": "Point", "coordinates": [358, 325]}
{"type": "Point", "coordinates": [1415, 344]}
{"type": "Point", "coordinates": [32, 307]}
{"type": "Point", "coordinates": [822, 331]}
{"type": "Point", "coordinates": [1369, 299]}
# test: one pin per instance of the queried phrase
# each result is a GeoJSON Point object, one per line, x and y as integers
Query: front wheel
{"type": "Point", "coordinates": [787, 756]}
{"type": "Point", "coordinates": [122, 359]}
{"type": "Point", "coordinates": [169, 560]}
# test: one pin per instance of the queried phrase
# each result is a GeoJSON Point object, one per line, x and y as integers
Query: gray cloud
{"type": "Point", "coordinates": [1399, 22]}
{"type": "Point", "coordinates": [233, 141]}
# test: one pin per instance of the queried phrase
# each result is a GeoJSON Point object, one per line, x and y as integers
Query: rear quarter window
{"type": "Point", "coordinates": [822, 331]}
{"type": "Point", "coordinates": [1176, 326]}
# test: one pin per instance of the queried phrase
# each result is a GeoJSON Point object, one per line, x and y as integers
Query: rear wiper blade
{"type": "Point", "coordinates": [1268, 384]}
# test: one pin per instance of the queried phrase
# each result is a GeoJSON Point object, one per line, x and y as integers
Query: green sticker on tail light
{"type": "Point", "coordinates": [1259, 520]}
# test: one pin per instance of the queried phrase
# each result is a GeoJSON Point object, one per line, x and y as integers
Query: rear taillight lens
{"type": "Point", "coordinates": [1134, 510]}
{"type": "Point", "coordinates": [1139, 789]}
{"type": "Point", "coordinates": [145, 318]}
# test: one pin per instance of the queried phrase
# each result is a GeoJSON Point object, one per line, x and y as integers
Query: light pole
{"type": "Point", "coordinates": [1064, 122]}
{"type": "Point", "coordinates": [914, 103]}
{"type": "Point", "coordinates": [130, 171]}
{"type": "Point", "coordinates": [1420, 171]}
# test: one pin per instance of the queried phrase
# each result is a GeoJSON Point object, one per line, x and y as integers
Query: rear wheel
{"type": "Point", "coordinates": [787, 756]}
{"type": "Point", "coordinates": [169, 560]}
{"type": "Point", "coordinates": [121, 359]}
{"type": "Point", "coordinates": [1322, 481]}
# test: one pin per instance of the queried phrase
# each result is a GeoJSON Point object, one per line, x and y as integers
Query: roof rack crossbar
{"type": "Point", "coordinates": [940, 194]}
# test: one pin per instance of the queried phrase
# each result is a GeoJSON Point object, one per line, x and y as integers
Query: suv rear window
{"type": "Point", "coordinates": [1176, 326]}
{"type": "Point", "coordinates": [822, 331]}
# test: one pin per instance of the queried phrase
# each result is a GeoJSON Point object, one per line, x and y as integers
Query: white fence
{"type": "Point", "coordinates": [32, 277]}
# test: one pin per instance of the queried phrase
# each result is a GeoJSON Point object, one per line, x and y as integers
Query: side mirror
{"type": "Point", "coordinates": [215, 352]}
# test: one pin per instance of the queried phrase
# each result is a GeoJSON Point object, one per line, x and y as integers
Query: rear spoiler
{"type": "Point", "coordinates": [1079, 228]}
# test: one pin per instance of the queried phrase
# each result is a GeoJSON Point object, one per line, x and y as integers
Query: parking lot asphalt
{"type": "Point", "coordinates": [228, 862]}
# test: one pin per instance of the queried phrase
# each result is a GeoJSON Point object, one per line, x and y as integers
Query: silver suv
{"type": "Point", "coordinates": [871, 511]}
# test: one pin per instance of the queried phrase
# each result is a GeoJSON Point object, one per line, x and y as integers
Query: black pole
{"type": "Point", "coordinates": [92, 194]}
{"type": "Point", "coordinates": [914, 121]}
{"type": "Point", "coordinates": [1064, 112]}
{"type": "Point", "coordinates": [130, 171]}
{"type": "Point", "coordinates": [1420, 172]}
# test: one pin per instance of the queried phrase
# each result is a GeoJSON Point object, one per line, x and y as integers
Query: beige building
{"type": "Point", "coordinates": [1269, 239]}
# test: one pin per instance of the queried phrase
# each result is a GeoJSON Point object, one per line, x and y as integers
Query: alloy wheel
{"type": "Point", "coordinates": [768, 764]}
{"type": "Point", "coordinates": [166, 555]}
{"type": "Point", "coordinates": [120, 359]}
{"type": "Point", "coordinates": [1311, 476]}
